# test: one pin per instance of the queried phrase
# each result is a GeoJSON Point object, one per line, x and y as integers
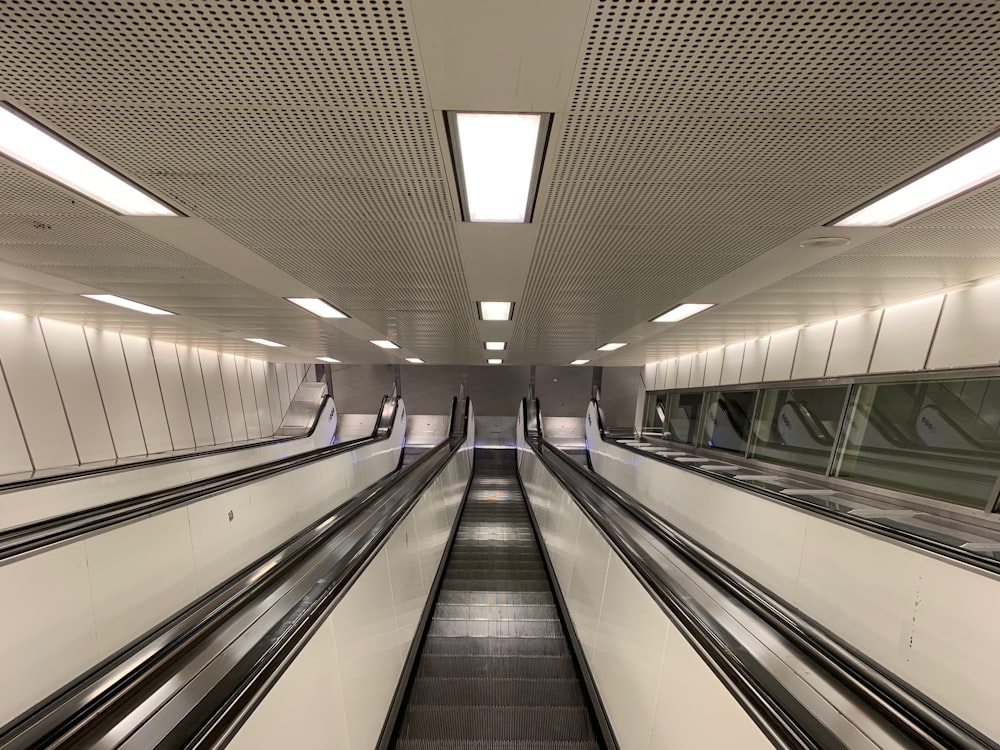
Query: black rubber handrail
{"type": "Point", "coordinates": [85, 472]}
{"type": "Point", "coordinates": [34, 537]}
{"type": "Point", "coordinates": [93, 705]}
{"type": "Point", "coordinates": [922, 720]}
{"type": "Point", "coordinates": [926, 544]}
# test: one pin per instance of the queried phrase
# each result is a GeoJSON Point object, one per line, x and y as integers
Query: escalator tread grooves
{"type": "Point", "coordinates": [496, 671]}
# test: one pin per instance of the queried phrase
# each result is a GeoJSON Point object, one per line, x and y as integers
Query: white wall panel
{"type": "Point", "coordinates": [683, 371]}
{"type": "Point", "coordinates": [261, 396]}
{"type": "Point", "coordinates": [70, 356]}
{"type": "Point", "coordinates": [148, 398]}
{"type": "Point", "coordinates": [670, 373]}
{"type": "Point", "coordinates": [216, 396]}
{"type": "Point", "coordinates": [969, 331]}
{"type": "Point", "coordinates": [194, 390]}
{"type": "Point", "coordinates": [780, 355]}
{"type": "Point", "coordinates": [284, 395]}
{"type": "Point", "coordinates": [14, 456]}
{"type": "Point", "coordinates": [35, 393]}
{"type": "Point", "coordinates": [713, 366]}
{"type": "Point", "coordinates": [697, 378]}
{"type": "Point", "coordinates": [853, 342]}
{"type": "Point", "coordinates": [813, 350]}
{"type": "Point", "coordinates": [249, 398]}
{"type": "Point", "coordinates": [274, 394]}
{"type": "Point", "coordinates": [660, 375]}
{"type": "Point", "coordinates": [732, 363]}
{"type": "Point", "coordinates": [234, 400]}
{"type": "Point", "coordinates": [754, 357]}
{"type": "Point", "coordinates": [904, 338]}
{"type": "Point", "coordinates": [175, 404]}
{"type": "Point", "coordinates": [292, 372]}
{"type": "Point", "coordinates": [116, 391]}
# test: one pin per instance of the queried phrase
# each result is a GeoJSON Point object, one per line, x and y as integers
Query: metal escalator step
{"type": "Point", "coordinates": [492, 584]}
{"type": "Point", "coordinates": [537, 723]}
{"type": "Point", "coordinates": [496, 745]}
{"type": "Point", "coordinates": [496, 612]}
{"type": "Point", "coordinates": [495, 629]}
{"type": "Point", "coordinates": [459, 646]}
{"type": "Point", "coordinates": [496, 597]}
{"type": "Point", "coordinates": [496, 667]}
{"type": "Point", "coordinates": [471, 691]}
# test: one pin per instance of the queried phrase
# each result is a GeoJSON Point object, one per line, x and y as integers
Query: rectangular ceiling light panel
{"type": "Point", "coordinates": [317, 307]}
{"type": "Point", "coordinates": [383, 344]}
{"type": "Point", "coordinates": [266, 342]}
{"type": "Point", "coordinates": [495, 361]}
{"type": "Point", "coordinates": [973, 168]}
{"type": "Point", "coordinates": [25, 142]}
{"type": "Point", "coordinates": [127, 303]}
{"type": "Point", "coordinates": [499, 160]}
{"type": "Point", "coordinates": [579, 361]}
{"type": "Point", "coordinates": [681, 312]}
{"type": "Point", "coordinates": [414, 360]}
{"type": "Point", "coordinates": [496, 310]}
{"type": "Point", "coordinates": [496, 346]}
{"type": "Point", "coordinates": [331, 360]}
{"type": "Point", "coordinates": [610, 347]}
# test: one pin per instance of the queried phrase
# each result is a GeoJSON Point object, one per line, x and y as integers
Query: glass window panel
{"type": "Point", "coordinates": [796, 426]}
{"type": "Point", "coordinates": [682, 417]}
{"type": "Point", "coordinates": [728, 415]}
{"type": "Point", "coordinates": [934, 438]}
{"type": "Point", "coordinates": [656, 407]}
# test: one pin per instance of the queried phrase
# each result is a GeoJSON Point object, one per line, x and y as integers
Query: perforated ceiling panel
{"type": "Point", "coordinates": [695, 136]}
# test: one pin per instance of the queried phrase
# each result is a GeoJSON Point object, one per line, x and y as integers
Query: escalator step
{"type": "Point", "coordinates": [458, 646]}
{"type": "Point", "coordinates": [471, 691]}
{"type": "Point", "coordinates": [496, 597]}
{"type": "Point", "coordinates": [496, 612]}
{"type": "Point", "coordinates": [495, 629]}
{"type": "Point", "coordinates": [538, 723]}
{"type": "Point", "coordinates": [496, 745]}
{"type": "Point", "coordinates": [496, 667]}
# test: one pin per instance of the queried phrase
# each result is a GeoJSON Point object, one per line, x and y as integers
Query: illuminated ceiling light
{"type": "Point", "coordinates": [331, 360]}
{"type": "Point", "coordinates": [496, 310]}
{"type": "Point", "coordinates": [579, 361]}
{"type": "Point", "coordinates": [130, 304]}
{"type": "Point", "coordinates": [414, 360]}
{"type": "Point", "coordinates": [680, 312]}
{"type": "Point", "coordinates": [498, 160]}
{"type": "Point", "coordinates": [27, 143]}
{"type": "Point", "coordinates": [8, 315]}
{"type": "Point", "coordinates": [495, 361]}
{"type": "Point", "coordinates": [613, 346]}
{"type": "Point", "coordinates": [974, 167]}
{"type": "Point", "coordinates": [317, 307]}
{"type": "Point", "coordinates": [496, 346]}
{"type": "Point", "coordinates": [266, 342]}
{"type": "Point", "coordinates": [383, 344]}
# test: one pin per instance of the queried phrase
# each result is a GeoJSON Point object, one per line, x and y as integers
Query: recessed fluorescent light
{"type": "Point", "coordinates": [266, 342]}
{"type": "Point", "coordinates": [27, 143]}
{"type": "Point", "coordinates": [415, 360]}
{"type": "Point", "coordinates": [976, 166]}
{"type": "Point", "coordinates": [496, 346]}
{"type": "Point", "coordinates": [496, 310]}
{"type": "Point", "coordinates": [383, 344]}
{"type": "Point", "coordinates": [331, 360]}
{"type": "Point", "coordinates": [495, 361]}
{"type": "Point", "coordinates": [681, 312]}
{"type": "Point", "coordinates": [579, 361]}
{"type": "Point", "coordinates": [498, 158]}
{"type": "Point", "coordinates": [610, 347]}
{"type": "Point", "coordinates": [317, 307]}
{"type": "Point", "coordinates": [130, 304]}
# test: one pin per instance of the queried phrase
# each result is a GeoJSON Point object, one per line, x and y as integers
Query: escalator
{"type": "Point", "coordinates": [496, 665]}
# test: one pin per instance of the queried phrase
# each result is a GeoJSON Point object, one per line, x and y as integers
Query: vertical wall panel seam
{"type": "Point", "coordinates": [159, 386]}
{"type": "Point", "coordinates": [937, 324]}
{"type": "Point", "coordinates": [204, 387]}
{"type": "Point", "coordinates": [62, 401]}
{"type": "Point", "coordinates": [829, 349]}
{"type": "Point", "coordinates": [100, 393]}
{"type": "Point", "coordinates": [253, 386]}
{"type": "Point", "coordinates": [187, 399]}
{"type": "Point", "coordinates": [239, 389]}
{"type": "Point", "coordinates": [225, 398]}
{"type": "Point", "coordinates": [135, 401]}
{"type": "Point", "coordinates": [878, 332]}
{"type": "Point", "coordinates": [20, 426]}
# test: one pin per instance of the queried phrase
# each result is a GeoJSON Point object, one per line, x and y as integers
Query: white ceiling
{"type": "Point", "coordinates": [694, 144]}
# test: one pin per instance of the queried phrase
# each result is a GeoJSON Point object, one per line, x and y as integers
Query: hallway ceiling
{"type": "Point", "coordinates": [305, 143]}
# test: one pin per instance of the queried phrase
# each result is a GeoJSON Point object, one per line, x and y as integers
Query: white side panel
{"type": "Point", "coordinates": [216, 396]}
{"type": "Point", "coordinates": [36, 396]}
{"type": "Point", "coordinates": [14, 456]}
{"type": "Point", "coordinates": [274, 394]}
{"type": "Point", "coordinates": [284, 396]}
{"type": "Point", "coordinates": [780, 354]}
{"type": "Point", "coordinates": [670, 373]}
{"type": "Point", "coordinates": [408, 595]}
{"type": "Point", "coordinates": [649, 376]}
{"type": "Point", "coordinates": [293, 373]}
{"type": "Point", "coordinates": [969, 331]}
{"type": "Point", "coordinates": [148, 398]}
{"type": "Point", "coordinates": [67, 347]}
{"type": "Point", "coordinates": [905, 336]}
{"type": "Point", "coordinates": [683, 371]}
{"type": "Point", "coordinates": [175, 403]}
{"type": "Point", "coordinates": [248, 397]}
{"type": "Point", "coordinates": [194, 390]}
{"type": "Point", "coordinates": [697, 378]}
{"type": "Point", "coordinates": [261, 396]}
{"type": "Point", "coordinates": [713, 366]}
{"type": "Point", "coordinates": [813, 350]}
{"type": "Point", "coordinates": [754, 357]}
{"type": "Point", "coordinates": [116, 391]}
{"type": "Point", "coordinates": [234, 400]}
{"type": "Point", "coordinates": [660, 375]}
{"type": "Point", "coordinates": [732, 363]}
{"type": "Point", "coordinates": [853, 342]}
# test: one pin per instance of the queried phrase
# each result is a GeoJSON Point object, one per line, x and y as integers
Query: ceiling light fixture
{"type": "Point", "coordinates": [331, 360]}
{"type": "Point", "coordinates": [317, 307]}
{"type": "Point", "coordinates": [29, 144]}
{"type": "Point", "coordinates": [266, 342]}
{"type": "Point", "coordinates": [972, 168]}
{"type": "Point", "coordinates": [383, 344]}
{"type": "Point", "coordinates": [496, 310]}
{"type": "Point", "coordinates": [495, 361]}
{"type": "Point", "coordinates": [414, 360]}
{"type": "Point", "coordinates": [579, 361]}
{"type": "Point", "coordinates": [495, 346]}
{"type": "Point", "coordinates": [613, 346]}
{"type": "Point", "coordinates": [680, 312]}
{"type": "Point", "coordinates": [498, 162]}
{"type": "Point", "coordinates": [111, 299]}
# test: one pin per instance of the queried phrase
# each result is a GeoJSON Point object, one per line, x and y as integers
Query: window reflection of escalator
{"type": "Point", "coordinates": [727, 420]}
{"type": "Point", "coordinates": [682, 417]}
{"type": "Point", "coordinates": [796, 427]}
